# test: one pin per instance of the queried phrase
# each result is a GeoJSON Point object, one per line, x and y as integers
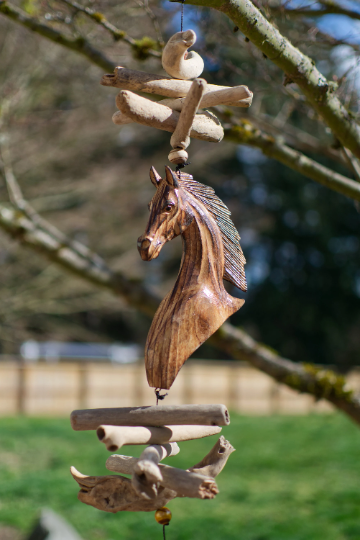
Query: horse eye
{"type": "Point", "coordinates": [168, 207]}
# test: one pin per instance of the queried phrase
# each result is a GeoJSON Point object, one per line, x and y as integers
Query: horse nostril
{"type": "Point", "coordinates": [145, 244]}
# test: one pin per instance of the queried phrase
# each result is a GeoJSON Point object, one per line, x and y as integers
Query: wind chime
{"type": "Point", "coordinates": [195, 308]}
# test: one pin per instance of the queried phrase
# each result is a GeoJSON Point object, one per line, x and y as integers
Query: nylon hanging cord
{"type": "Point", "coordinates": [164, 537]}
{"type": "Point", "coordinates": [182, 15]}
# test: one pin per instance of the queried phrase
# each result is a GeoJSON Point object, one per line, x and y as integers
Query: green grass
{"type": "Point", "coordinates": [291, 478]}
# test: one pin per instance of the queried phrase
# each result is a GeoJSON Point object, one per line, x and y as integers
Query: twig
{"type": "Point", "coordinates": [245, 133]}
{"type": "Point", "coordinates": [353, 162]}
{"type": "Point", "coordinates": [329, 7]}
{"type": "Point", "coordinates": [79, 44]}
{"type": "Point", "coordinates": [145, 4]}
{"type": "Point", "coordinates": [100, 19]}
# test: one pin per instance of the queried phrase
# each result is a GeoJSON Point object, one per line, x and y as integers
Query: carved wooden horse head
{"type": "Point", "coordinates": [198, 304]}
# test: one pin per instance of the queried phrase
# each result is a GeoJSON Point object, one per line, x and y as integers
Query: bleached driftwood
{"type": "Point", "coordinates": [114, 493]}
{"type": "Point", "coordinates": [181, 136]}
{"type": "Point", "coordinates": [180, 139]}
{"type": "Point", "coordinates": [140, 81]}
{"type": "Point", "coordinates": [151, 113]}
{"type": "Point", "coordinates": [214, 462]}
{"type": "Point", "coordinates": [176, 479]}
{"type": "Point", "coordinates": [237, 96]}
{"type": "Point", "coordinates": [120, 119]}
{"type": "Point", "coordinates": [185, 483]}
{"type": "Point", "coordinates": [179, 63]}
{"type": "Point", "coordinates": [115, 437]}
{"type": "Point", "coordinates": [146, 475]}
{"type": "Point", "coordinates": [161, 415]}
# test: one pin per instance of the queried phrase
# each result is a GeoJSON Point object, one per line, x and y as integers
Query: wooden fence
{"type": "Point", "coordinates": [56, 389]}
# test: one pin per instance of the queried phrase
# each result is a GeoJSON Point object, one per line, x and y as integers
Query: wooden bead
{"type": "Point", "coordinates": [163, 515]}
{"type": "Point", "coordinates": [178, 156]}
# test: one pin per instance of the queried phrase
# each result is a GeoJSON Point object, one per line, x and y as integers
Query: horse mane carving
{"type": "Point", "coordinates": [198, 304]}
{"type": "Point", "coordinates": [234, 270]}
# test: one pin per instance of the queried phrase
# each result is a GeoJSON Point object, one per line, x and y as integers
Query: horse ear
{"type": "Point", "coordinates": [171, 178]}
{"type": "Point", "coordinates": [155, 177]}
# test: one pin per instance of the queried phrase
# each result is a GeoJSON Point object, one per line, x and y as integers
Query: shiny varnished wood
{"type": "Point", "coordinates": [198, 303]}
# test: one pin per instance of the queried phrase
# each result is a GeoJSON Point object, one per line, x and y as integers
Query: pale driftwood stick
{"type": "Point", "coordinates": [121, 464]}
{"type": "Point", "coordinates": [181, 137]}
{"type": "Point", "coordinates": [188, 484]}
{"type": "Point", "coordinates": [150, 113]}
{"type": "Point", "coordinates": [140, 81]}
{"type": "Point", "coordinates": [146, 474]}
{"type": "Point", "coordinates": [211, 465]}
{"type": "Point", "coordinates": [214, 462]}
{"type": "Point", "coordinates": [176, 62]}
{"type": "Point", "coordinates": [185, 483]}
{"type": "Point", "coordinates": [114, 493]}
{"type": "Point", "coordinates": [161, 415]}
{"type": "Point", "coordinates": [115, 437]}
{"type": "Point", "coordinates": [120, 119]}
{"type": "Point", "coordinates": [237, 96]}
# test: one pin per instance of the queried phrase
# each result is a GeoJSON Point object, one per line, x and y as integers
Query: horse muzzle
{"type": "Point", "coordinates": [144, 246]}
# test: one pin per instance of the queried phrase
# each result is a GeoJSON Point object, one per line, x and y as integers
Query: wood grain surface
{"type": "Point", "coordinates": [198, 304]}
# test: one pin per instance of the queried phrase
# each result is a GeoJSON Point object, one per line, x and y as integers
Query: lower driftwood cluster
{"type": "Point", "coordinates": [152, 484]}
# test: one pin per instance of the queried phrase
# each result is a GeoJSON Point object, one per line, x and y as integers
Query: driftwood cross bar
{"type": "Point", "coordinates": [179, 115]}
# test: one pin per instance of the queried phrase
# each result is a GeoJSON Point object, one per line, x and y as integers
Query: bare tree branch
{"type": "Point", "coordinates": [297, 67]}
{"type": "Point", "coordinates": [245, 133]}
{"type": "Point", "coordinates": [117, 34]}
{"type": "Point", "coordinates": [329, 7]}
{"type": "Point", "coordinates": [297, 138]}
{"type": "Point", "coordinates": [79, 45]}
{"type": "Point", "coordinates": [303, 378]}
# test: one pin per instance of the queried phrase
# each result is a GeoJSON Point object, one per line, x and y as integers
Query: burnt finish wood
{"type": "Point", "coordinates": [198, 303]}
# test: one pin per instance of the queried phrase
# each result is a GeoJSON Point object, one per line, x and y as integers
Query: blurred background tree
{"type": "Point", "coordinates": [90, 179]}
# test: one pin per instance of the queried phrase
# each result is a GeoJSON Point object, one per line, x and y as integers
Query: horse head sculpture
{"type": "Point", "coordinates": [198, 303]}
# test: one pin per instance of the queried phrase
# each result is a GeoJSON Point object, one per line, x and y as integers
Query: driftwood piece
{"type": "Point", "coordinates": [214, 462]}
{"type": "Point", "coordinates": [179, 63]}
{"type": "Point", "coordinates": [120, 119]}
{"type": "Point", "coordinates": [161, 415]}
{"type": "Point", "coordinates": [180, 139]}
{"type": "Point", "coordinates": [181, 136]}
{"type": "Point", "coordinates": [146, 483]}
{"type": "Point", "coordinates": [185, 483]}
{"type": "Point", "coordinates": [146, 475]}
{"type": "Point", "coordinates": [236, 96]}
{"type": "Point", "coordinates": [151, 113]}
{"type": "Point", "coordinates": [198, 304]}
{"type": "Point", "coordinates": [115, 437]}
{"type": "Point", "coordinates": [114, 493]}
{"type": "Point", "coordinates": [140, 81]}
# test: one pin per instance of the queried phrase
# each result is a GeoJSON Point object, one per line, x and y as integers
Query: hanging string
{"type": "Point", "coordinates": [182, 15]}
{"type": "Point", "coordinates": [159, 396]}
{"type": "Point", "coordinates": [164, 537]}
